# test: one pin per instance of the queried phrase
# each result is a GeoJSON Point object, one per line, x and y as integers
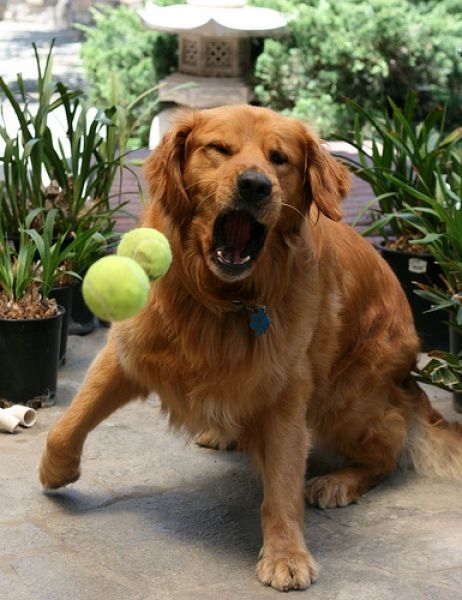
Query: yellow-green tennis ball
{"type": "Point", "coordinates": [115, 288]}
{"type": "Point", "coordinates": [150, 248]}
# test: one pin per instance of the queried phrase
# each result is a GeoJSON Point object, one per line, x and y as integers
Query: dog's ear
{"type": "Point", "coordinates": [164, 170]}
{"type": "Point", "coordinates": [327, 181]}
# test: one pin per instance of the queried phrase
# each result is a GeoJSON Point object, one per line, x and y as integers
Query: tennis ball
{"type": "Point", "coordinates": [115, 288]}
{"type": "Point", "coordinates": [150, 248]}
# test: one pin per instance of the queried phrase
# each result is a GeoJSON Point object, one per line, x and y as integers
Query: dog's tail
{"type": "Point", "coordinates": [434, 446]}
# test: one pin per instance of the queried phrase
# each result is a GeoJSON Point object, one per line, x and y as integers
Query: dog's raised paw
{"type": "Point", "coordinates": [56, 472]}
{"type": "Point", "coordinates": [287, 571]}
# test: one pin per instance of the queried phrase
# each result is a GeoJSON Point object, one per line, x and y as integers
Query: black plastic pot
{"type": "Point", "coordinates": [412, 267]}
{"type": "Point", "coordinates": [455, 346]}
{"type": "Point", "coordinates": [82, 321]}
{"type": "Point", "coordinates": [29, 358]}
{"type": "Point", "coordinates": [63, 296]}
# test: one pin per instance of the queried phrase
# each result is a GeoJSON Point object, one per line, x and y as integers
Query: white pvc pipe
{"type": "Point", "coordinates": [8, 422]}
{"type": "Point", "coordinates": [26, 416]}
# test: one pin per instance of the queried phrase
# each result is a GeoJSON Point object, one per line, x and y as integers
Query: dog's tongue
{"type": "Point", "coordinates": [237, 231]}
{"type": "Point", "coordinates": [236, 234]}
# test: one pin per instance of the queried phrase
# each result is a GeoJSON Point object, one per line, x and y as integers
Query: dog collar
{"type": "Point", "coordinates": [259, 320]}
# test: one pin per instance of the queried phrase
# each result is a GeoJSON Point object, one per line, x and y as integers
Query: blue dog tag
{"type": "Point", "coordinates": [259, 320]}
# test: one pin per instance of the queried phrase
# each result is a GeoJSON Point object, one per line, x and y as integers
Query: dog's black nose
{"type": "Point", "coordinates": [253, 187]}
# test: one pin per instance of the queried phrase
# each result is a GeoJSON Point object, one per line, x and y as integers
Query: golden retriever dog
{"type": "Point", "coordinates": [276, 326]}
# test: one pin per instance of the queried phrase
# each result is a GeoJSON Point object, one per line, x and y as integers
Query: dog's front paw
{"type": "Point", "coordinates": [58, 469]}
{"type": "Point", "coordinates": [331, 491]}
{"type": "Point", "coordinates": [286, 571]}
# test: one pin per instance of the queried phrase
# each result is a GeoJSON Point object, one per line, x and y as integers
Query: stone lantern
{"type": "Point", "coordinates": [214, 52]}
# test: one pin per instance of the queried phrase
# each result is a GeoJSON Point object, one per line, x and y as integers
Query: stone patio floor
{"type": "Point", "coordinates": [156, 518]}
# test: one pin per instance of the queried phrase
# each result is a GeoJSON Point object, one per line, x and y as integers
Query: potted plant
{"type": "Point", "coordinates": [438, 218]}
{"type": "Point", "coordinates": [30, 321]}
{"type": "Point", "coordinates": [56, 260]}
{"type": "Point", "coordinates": [444, 369]}
{"type": "Point", "coordinates": [404, 155]}
{"type": "Point", "coordinates": [73, 171]}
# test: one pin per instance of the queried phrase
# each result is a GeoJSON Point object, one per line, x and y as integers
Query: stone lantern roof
{"type": "Point", "coordinates": [223, 18]}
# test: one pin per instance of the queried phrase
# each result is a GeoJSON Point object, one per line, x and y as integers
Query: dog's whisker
{"type": "Point", "coordinates": [204, 199]}
{"type": "Point", "coordinates": [293, 208]}
{"type": "Point", "coordinates": [199, 182]}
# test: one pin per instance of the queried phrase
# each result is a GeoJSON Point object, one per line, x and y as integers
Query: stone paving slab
{"type": "Point", "coordinates": [155, 517]}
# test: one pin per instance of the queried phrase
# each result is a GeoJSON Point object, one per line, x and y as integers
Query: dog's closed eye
{"type": "Point", "coordinates": [220, 148]}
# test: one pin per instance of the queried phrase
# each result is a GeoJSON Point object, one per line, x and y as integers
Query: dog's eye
{"type": "Point", "coordinates": [277, 157]}
{"type": "Point", "coordinates": [221, 148]}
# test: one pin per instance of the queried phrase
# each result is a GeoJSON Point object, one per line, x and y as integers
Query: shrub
{"type": "Point", "coordinates": [122, 60]}
{"type": "Point", "coordinates": [363, 51]}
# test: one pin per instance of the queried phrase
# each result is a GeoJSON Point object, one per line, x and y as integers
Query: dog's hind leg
{"type": "Point", "coordinates": [371, 448]}
{"type": "Point", "coordinates": [397, 426]}
{"type": "Point", "coordinates": [106, 388]}
{"type": "Point", "coordinates": [214, 440]}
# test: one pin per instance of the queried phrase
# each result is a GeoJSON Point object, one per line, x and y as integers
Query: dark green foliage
{"type": "Point", "coordinates": [405, 165]}
{"type": "Point", "coordinates": [122, 59]}
{"type": "Point", "coordinates": [364, 51]}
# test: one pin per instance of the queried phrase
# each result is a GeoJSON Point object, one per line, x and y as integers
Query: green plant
{"type": "Point", "coordinates": [444, 369]}
{"type": "Point", "coordinates": [83, 174]}
{"type": "Point", "coordinates": [39, 262]}
{"type": "Point", "coordinates": [363, 50]}
{"type": "Point", "coordinates": [53, 254]}
{"type": "Point", "coordinates": [438, 219]}
{"type": "Point", "coordinates": [73, 172]}
{"type": "Point", "coordinates": [90, 245]}
{"type": "Point", "coordinates": [123, 59]}
{"type": "Point", "coordinates": [405, 167]}
{"type": "Point", "coordinates": [26, 280]}
{"type": "Point", "coordinates": [25, 155]}
{"type": "Point", "coordinates": [17, 269]}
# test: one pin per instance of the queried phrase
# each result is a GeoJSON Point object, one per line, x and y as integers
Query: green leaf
{"type": "Point", "coordinates": [428, 239]}
{"type": "Point", "coordinates": [29, 147]}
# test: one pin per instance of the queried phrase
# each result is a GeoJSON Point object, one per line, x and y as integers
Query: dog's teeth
{"type": "Point", "coordinates": [223, 258]}
{"type": "Point", "coordinates": [227, 260]}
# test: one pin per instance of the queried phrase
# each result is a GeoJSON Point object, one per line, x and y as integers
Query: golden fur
{"type": "Point", "coordinates": [335, 364]}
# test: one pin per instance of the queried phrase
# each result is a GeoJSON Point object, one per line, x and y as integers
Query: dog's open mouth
{"type": "Point", "coordinates": [237, 239]}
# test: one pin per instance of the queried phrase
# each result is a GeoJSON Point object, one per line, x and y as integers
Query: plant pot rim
{"type": "Point", "coordinates": [424, 255]}
{"type": "Point", "coordinates": [61, 311]}
{"type": "Point", "coordinates": [66, 285]}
